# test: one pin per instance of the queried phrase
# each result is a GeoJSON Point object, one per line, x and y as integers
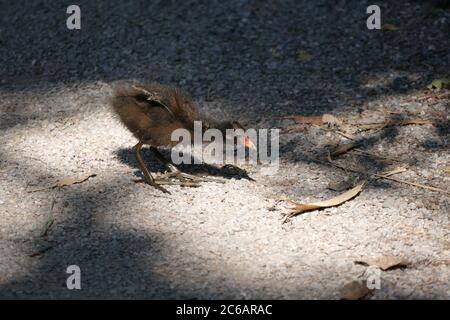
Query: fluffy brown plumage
{"type": "Point", "coordinates": [152, 112]}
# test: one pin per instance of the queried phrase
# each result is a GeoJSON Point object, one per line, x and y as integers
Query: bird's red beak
{"type": "Point", "coordinates": [249, 144]}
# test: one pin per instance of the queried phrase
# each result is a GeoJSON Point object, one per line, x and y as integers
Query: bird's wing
{"type": "Point", "coordinates": [154, 97]}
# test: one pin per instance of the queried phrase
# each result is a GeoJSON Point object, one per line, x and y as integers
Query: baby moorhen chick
{"type": "Point", "coordinates": [152, 112]}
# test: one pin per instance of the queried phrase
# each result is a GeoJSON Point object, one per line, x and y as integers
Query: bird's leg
{"type": "Point", "coordinates": [175, 172]}
{"type": "Point", "coordinates": [167, 163]}
{"type": "Point", "coordinates": [147, 175]}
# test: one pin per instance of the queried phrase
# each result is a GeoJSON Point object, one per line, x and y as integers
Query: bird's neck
{"type": "Point", "coordinates": [219, 125]}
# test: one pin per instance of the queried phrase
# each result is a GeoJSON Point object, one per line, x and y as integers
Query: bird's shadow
{"type": "Point", "coordinates": [228, 171]}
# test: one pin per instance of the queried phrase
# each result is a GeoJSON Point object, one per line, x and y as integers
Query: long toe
{"type": "Point", "coordinates": [200, 178]}
{"type": "Point", "coordinates": [177, 183]}
{"type": "Point", "coordinates": [154, 184]}
{"type": "Point", "coordinates": [159, 187]}
{"type": "Point", "coordinates": [189, 177]}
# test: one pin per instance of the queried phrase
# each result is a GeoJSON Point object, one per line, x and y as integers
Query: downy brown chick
{"type": "Point", "coordinates": [152, 112]}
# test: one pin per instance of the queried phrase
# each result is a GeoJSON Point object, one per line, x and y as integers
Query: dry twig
{"type": "Point", "coordinates": [381, 176]}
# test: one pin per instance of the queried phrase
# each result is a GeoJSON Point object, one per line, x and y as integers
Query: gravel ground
{"type": "Point", "coordinates": [238, 59]}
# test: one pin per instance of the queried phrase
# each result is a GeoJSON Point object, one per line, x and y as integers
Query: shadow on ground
{"type": "Point", "coordinates": [242, 53]}
{"type": "Point", "coordinates": [81, 236]}
{"type": "Point", "coordinates": [204, 169]}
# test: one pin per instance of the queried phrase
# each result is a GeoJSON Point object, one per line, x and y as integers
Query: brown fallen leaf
{"type": "Point", "coordinates": [66, 182]}
{"type": "Point", "coordinates": [355, 290]}
{"type": "Point", "coordinates": [445, 262]}
{"type": "Point", "coordinates": [72, 180]}
{"type": "Point", "coordinates": [393, 123]}
{"type": "Point", "coordinates": [316, 120]}
{"type": "Point", "coordinates": [394, 171]}
{"type": "Point", "coordinates": [416, 184]}
{"type": "Point", "coordinates": [376, 176]}
{"type": "Point", "coordinates": [346, 134]}
{"type": "Point", "coordinates": [390, 27]}
{"type": "Point", "coordinates": [373, 155]}
{"type": "Point", "coordinates": [345, 148]}
{"type": "Point", "coordinates": [447, 170]}
{"type": "Point", "coordinates": [300, 207]}
{"type": "Point", "coordinates": [377, 126]}
{"type": "Point", "coordinates": [408, 122]}
{"type": "Point", "coordinates": [303, 56]}
{"type": "Point", "coordinates": [306, 119]}
{"type": "Point", "coordinates": [439, 84]}
{"type": "Point", "coordinates": [384, 263]}
{"type": "Point", "coordinates": [329, 118]}
{"type": "Point", "coordinates": [293, 128]}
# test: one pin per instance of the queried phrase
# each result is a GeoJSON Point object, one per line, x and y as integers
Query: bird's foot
{"type": "Point", "coordinates": [177, 183]}
{"type": "Point", "coordinates": [186, 176]}
{"type": "Point", "coordinates": [158, 184]}
{"type": "Point", "coordinates": [155, 184]}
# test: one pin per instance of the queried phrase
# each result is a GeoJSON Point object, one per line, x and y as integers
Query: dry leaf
{"type": "Point", "coordinates": [329, 118]}
{"type": "Point", "coordinates": [373, 155]}
{"type": "Point", "coordinates": [317, 120]}
{"type": "Point", "coordinates": [439, 84]}
{"type": "Point", "coordinates": [390, 27]}
{"type": "Point", "coordinates": [300, 207]}
{"type": "Point", "coordinates": [72, 180]}
{"type": "Point", "coordinates": [346, 134]}
{"type": "Point", "coordinates": [445, 262]}
{"type": "Point", "coordinates": [381, 125]}
{"type": "Point", "coordinates": [447, 170]}
{"type": "Point", "coordinates": [384, 263]}
{"type": "Point", "coordinates": [410, 121]}
{"type": "Point", "coordinates": [304, 56]}
{"type": "Point", "coordinates": [411, 183]}
{"type": "Point", "coordinates": [394, 171]}
{"type": "Point", "coordinates": [67, 182]}
{"type": "Point", "coordinates": [345, 148]}
{"type": "Point", "coordinates": [308, 119]}
{"type": "Point", "coordinates": [355, 290]}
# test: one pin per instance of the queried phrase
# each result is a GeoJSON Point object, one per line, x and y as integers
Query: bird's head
{"type": "Point", "coordinates": [240, 131]}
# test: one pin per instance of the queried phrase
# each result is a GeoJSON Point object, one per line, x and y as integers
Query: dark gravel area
{"type": "Point", "coordinates": [252, 61]}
